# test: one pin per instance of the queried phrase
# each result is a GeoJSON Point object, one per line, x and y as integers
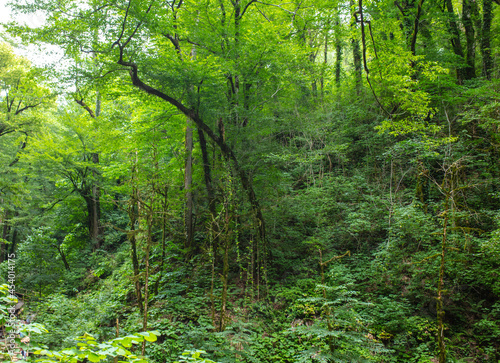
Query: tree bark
{"type": "Point", "coordinates": [207, 172]}
{"type": "Point", "coordinates": [96, 233]}
{"type": "Point", "coordinates": [163, 236]}
{"type": "Point", "coordinates": [13, 240]}
{"type": "Point", "coordinates": [5, 233]}
{"type": "Point", "coordinates": [63, 257]}
{"type": "Point", "coordinates": [470, 56]}
{"type": "Point", "coordinates": [356, 54]}
{"type": "Point", "coordinates": [325, 63]}
{"type": "Point", "coordinates": [486, 39]}
{"type": "Point", "coordinates": [149, 220]}
{"type": "Point", "coordinates": [455, 40]}
{"type": "Point", "coordinates": [96, 192]}
{"type": "Point", "coordinates": [92, 198]}
{"type": "Point", "coordinates": [188, 179]}
{"type": "Point", "coordinates": [338, 52]}
{"type": "Point", "coordinates": [413, 43]}
{"type": "Point", "coordinates": [133, 217]}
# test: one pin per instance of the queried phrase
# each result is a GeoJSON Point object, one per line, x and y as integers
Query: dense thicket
{"type": "Point", "coordinates": [310, 181]}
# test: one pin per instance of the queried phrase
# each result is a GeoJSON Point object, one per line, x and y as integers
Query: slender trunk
{"type": "Point", "coordinates": [91, 193]}
{"type": "Point", "coordinates": [413, 43]}
{"type": "Point", "coordinates": [188, 179]}
{"type": "Point", "coordinates": [146, 279]}
{"type": "Point", "coordinates": [235, 79]}
{"type": "Point", "coordinates": [224, 278]}
{"type": "Point", "coordinates": [470, 57]}
{"type": "Point", "coordinates": [98, 104]}
{"type": "Point", "coordinates": [96, 204]}
{"type": "Point", "coordinates": [356, 54]}
{"type": "Point", "coordinates": [422, 189]}
{"type": "Point", "coordinates": [63, 257]}
{"type": "Point", "coordinates": [455, 39]}
{"type": "Point", "coordinates": [207, 172]}
{"type": "Point", "coordinates": [5, 232]}
{"type": "Point", "coordinates": [13, 240]}
{"type": "Point", "coordinates": [2, 251]}
{"type": "Point", "coordinates": [210, 192]}
{"type": "Point", "coordinates": [92, 218]}
{"type": "Point", "coordinates": [163, 237]}
{"type": "Point", "coordinates": [325, 63]}
{"type": "Point", "coordinates": [486, 38]}
{"type": "Point", "coordinates": [212, 285]}
{"type": "Point", "coordinates": [96, 191]}
{"type": "Point", "coordinates": [133, 217]}
{"type": "Point", "coordinates": [96, 233]}
{"type": "Point", "coordinates": [338, 53]}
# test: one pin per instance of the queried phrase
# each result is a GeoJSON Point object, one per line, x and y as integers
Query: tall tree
{"type": "Point", "coordinates": [22, 95]}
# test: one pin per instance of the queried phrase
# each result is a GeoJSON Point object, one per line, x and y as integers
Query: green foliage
{"type": "Point", "coordinates": [330, 126]}
{"type": "Point", "coordinates": [89, 348]}
{"type": "Point", "coordinates": [193, 356]}
{"type": "Point", "coordinates": [341, 328]}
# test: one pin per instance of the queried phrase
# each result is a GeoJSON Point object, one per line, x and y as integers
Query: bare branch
{"type": "Point", "coordinates": [246, 7]}
{"type": "Point", "coordinates": [85, 106]}
{"type": "Point", "coordinates": [27, 107]}
{"type": "Point", "coordinates": [124, 23]}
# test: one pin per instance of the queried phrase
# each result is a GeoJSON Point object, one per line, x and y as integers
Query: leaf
{"type": "Point", "coordinates": [93, 357]}
{"type": "Point", "coordinates": [149, 336]}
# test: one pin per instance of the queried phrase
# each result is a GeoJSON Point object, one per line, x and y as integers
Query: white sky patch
{"type": "Point", "coordinates": [44, 56]}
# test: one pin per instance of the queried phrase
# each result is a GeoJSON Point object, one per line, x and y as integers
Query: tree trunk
{"type": "Point", "coordinates": [96, 233]}
{"type": "Point", "coordinates": [5, 233]}
{"type": "Point", "coordinates": [96, 192]}
{"type": "Point", "coordinates": [93, 217]}
{"type": "Point", "coordinates": [325, 64]}
{"type": "Point", "coordinates": [338, 53]}
{"type": "Point", "coordinates": [91, 193]}
{"type": "Point", "coordinates": [223, 146]}
{"type": "Point", "coordinates": [13, 240]}
{"type": "Point", "coordinates": [149, 220]}
{"type": "Point", "coordinates": [63, 257]}
{"type": "Point", "coordinates": [455, 39]}
{"type": "Point", "coordinates": [356, 55]}
{"type": "Point", "coordinates": [133, 217]}
{"type": "Point", "coordinates": [210, 192]}
{"type": "Point", "coordinates": [486, 38]}
{"type": "Point", "coordinates": [163, 236]}
{"type": "Point", "coordinates": [413, 43]}
{"type": "Point", "coordinates": [224, 278]}
{"type": "Point", "coordinates": [188, 179]}
{"type": "Point", "coordinates": [470, 57]}
{"type": "Point", "coordinates": [235, 80]}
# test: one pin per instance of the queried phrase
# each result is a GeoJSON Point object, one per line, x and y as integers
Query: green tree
{"type": "Point", "coordinates": [22, 97]}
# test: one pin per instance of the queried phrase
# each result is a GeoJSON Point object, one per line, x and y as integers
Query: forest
{"type": "Point", "coordinates": [250, 181]}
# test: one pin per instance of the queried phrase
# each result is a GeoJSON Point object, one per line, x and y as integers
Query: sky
{"type": "Point", "coordinates": [37, 57]}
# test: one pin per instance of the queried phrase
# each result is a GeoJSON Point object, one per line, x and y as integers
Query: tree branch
{"type": "Point", "coordinates": [27, 107]}
{"type": "Point", "coordinates": [415, 28]}
{"type": "Point", "coordinates": [86, 107]}
{"type": "Point", "coordinates": [193, 115]}
{"type": "Point", "coordinates": [246, 7]}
